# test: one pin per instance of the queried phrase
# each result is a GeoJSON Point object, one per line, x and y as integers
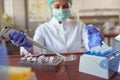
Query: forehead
{"type": "Point", "coordinates": [61, 1]}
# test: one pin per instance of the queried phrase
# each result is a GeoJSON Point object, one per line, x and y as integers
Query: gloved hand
{"type": "Point", "coordinates": [95, 37]}
{"type": "Point", "coordinates": [20, 39]}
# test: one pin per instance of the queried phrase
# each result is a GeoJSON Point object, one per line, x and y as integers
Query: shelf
{"type": "Point", "coordinates": [100, 12]}
{"type": "Point", "coordinates": [99, 20]}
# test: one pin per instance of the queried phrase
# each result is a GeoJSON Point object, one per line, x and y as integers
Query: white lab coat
{"type": "Point", "coordinates": [66, 37]}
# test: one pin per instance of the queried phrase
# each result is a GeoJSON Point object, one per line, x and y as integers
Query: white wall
{"type": "Point", "coordinates": [96, 7]}
{"type": "Point", "coordinates": [8, 8]}
{"type": "Point", "coordinates": [15, 9]}
{"type": "Point", "coordinates": [19, 14]}
{"type": "Point", "coordinates": [95, 4]}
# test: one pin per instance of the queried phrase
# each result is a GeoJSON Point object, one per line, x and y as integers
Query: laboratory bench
{"type": "Point", "coordinates": [68, 71]}
{"type": "Point", "coordinates": [109, 37]}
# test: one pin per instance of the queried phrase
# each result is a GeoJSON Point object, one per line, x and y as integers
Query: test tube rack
{"type": "Point", "coordinates": [49, 63]}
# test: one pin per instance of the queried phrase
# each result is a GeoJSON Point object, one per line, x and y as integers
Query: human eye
{"type": "Point", "coordinates": [66, 6]}
{"type": "Point", "coordinates": [56, 6]}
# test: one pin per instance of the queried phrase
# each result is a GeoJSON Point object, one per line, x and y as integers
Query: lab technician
{"type": "Point", "coordinates": [60, 34]}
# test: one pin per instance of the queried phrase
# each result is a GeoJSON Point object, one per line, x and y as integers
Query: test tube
{"type": "Point", "coordinates": [92, 51]}
{"type": "Point", "coordinates": [105, 51]}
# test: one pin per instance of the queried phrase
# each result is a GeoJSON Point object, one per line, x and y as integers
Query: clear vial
{"type": "Point", "coordinates": [71, 57]}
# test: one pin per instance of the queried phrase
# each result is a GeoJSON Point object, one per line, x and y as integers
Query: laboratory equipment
{"type": "Point", "coordinates": [4, 61]}
{"type": "Point", "coordinates": [116, 43]}
{"type": "Point", "coordinates": [3, 54]}
{"type": "Point", "coordinates": [41, 62]}
{"type": "Point", "coordinates": [7, 30]}
{"type": "Point", "coordinates": [103, 62]}
{"type": "Point", "coordinates": [33, 61]}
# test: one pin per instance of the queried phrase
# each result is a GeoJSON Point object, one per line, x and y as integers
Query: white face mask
{"type": "Point", "coordinates": [61, 15]}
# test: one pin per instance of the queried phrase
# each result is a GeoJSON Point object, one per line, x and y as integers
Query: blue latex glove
{"type": "Point", "coordinates": [95, 37]}
{"type": "Point", "coordinates": [20, 39]}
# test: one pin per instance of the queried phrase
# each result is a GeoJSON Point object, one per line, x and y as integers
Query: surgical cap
{"type": "Point", "coordinates": [50, 2]}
